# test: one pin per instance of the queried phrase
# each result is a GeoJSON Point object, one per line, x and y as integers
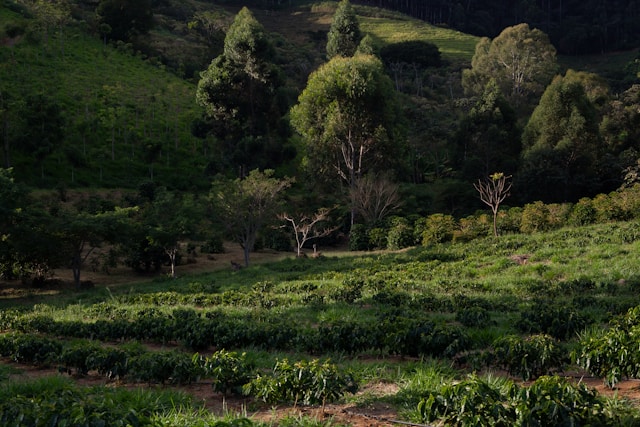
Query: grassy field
{"type": "Point", "coordinates": [363, 311]}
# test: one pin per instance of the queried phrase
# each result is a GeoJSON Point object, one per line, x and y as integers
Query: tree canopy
{"type": "Point", "coordinates": [561, 142]}
{"type": "Point", "coordinates": [245, 205]}
{"type": "Point", "coordinates": [239, 92]}
{"type": "Point", "coordinates": [520, 59]}
{"type": "Point", "coordinates": [344, 35]}
{"type": "Point", "coordinates": [126, 18]}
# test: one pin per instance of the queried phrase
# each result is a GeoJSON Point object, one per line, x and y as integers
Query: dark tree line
{"type": "Point", "coordinates": [574, 26]}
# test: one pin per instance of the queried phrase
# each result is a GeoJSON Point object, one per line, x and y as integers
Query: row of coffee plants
{"type": "Point", "coordinates": [392, 333]}
{"type": "Point", "coordinates": [313, 382]}
{"type": "Point", "coordinates": [58, 401]}
{"type": "Point", "coordinates": [397, 233]}
{"type": "Point", "coordinates": [549, 401]}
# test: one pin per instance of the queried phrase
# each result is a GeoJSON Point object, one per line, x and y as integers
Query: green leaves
{"type": "Point", "coordinates": [344, 34]}
{"type": "Point", "coordinates": [302, 382]}
{"type": "Point", "coordinates": [549, 401]}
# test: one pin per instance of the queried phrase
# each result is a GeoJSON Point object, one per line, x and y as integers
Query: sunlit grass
{"type": "Point", "coordinates": [454, 45]}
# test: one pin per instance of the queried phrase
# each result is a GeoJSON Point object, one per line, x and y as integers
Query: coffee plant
{"type": "Point", "coordinates": [303, 382]}
{"type": "Point", "coordinates": [528, 357]}
{"type": "Point", "coordinates": [228, 371]}
{"type": "Point", "coordinates": [549, 401]}
{"type": "Point", "coordinates": [612, 354]}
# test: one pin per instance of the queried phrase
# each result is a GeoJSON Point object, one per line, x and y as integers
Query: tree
{"type": "Point", "coordinates": [520, 59]}
{"type": "Point", "coordinates": [246, 205]}
{"type": "Point", "coordinates": [488, 138]}
{"type": "Point", "coordinates": [239, 94]}
{"type": "Point", "coordinates": [344, 34]}
{"type": "Point", "coordinates": [348, 118]}
{"type": "Point", "coordinates": [493, 191]}
{"type": "Point", "coordinates": [562, 147]}
{"type": "Point", "coordinates": [126, 18]}
{"type": "Point", "coordinates": [169, 219]}
{"type": "Point", "coordinates": [81, 232]}
{"type": "Point", "coordinates": [304, 227]}
{"type": "Point", "coordinates": [374, 197]}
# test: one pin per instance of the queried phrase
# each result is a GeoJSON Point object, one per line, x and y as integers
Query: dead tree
{"type": "Point", "coordinates": [493, 190]}
{"type": "Point", "coordinates": [304, 227]}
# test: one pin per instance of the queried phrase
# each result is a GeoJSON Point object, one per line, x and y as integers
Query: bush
{"type": "Point", "coordinates": [474, 317]}
{"type": "Point", "coordinates": [612, 354]}
{"type": "Point", "coordinates": [549, 401]}
{"type": "Point", "coordinates": [472, 227]}
{"type": "Point", "coordinates": [358, 238]}
{"type": "Point", "coordinates": [472, 402]}
{"type": "Point", "coordinates": [303, 382]}
{"type": "Point", "coordinates": [535, 218]}
{"type": "Point", "coordinates": [583, 213]}
{"type": "Point", "coordinates": [228, 370]}
{"type": "Point", "coordinates": [559, 321]}
{"type": "Point", "coordinates": [214, 245]}
{"type": "Point", "coordinates": [400, 234]}
{"type": "Point", "coordinates": [377, 238]}
{"type": "Point", "coordinates": [528, 357]}
{"type": "Point", "coordinates": [436, 228]}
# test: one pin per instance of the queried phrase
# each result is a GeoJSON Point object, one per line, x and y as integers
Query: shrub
{"type": "Point", "coordinates": [549, 401]}
{"type": "Point", "coordinates": [214, 245]}
{"type": "Point", "coordinates": [559, 321]}
{"type": "Point", "coordinates": [535, 217]}
{"type": "Point", "coordinates": [474, 317]}
{"type": "Point", "coordinates": [166, 367]}
{"type": "Point", "coordinates": [528, 357]}
{"type": "Point", "coordinates": [377, 238]}
{"type": "Point", "coordinates": [509, 221]}
{"type": "Point", "coordinates": [358, 238]}
{"type": "Point", "coordinates": [228, 370]}
{"type": "Point", "coordinates": [303, 382]}
{"type": "Point", "coordinates": [472, 402]}
{"type": "Point", "coordinates": [75, 356]}
{"type": "Point", "coordinates": [472, 227]}
{"type": "Point", "coordinates": [558, 214]}
{"type": "Point", "coordinates": [436, 228]}
{"type": "Point", "coordinates": [612, 354]}
{"type": "Point", "coordinates": [583, 213]}
{"type": "Point", "coordinates": [400, 234]}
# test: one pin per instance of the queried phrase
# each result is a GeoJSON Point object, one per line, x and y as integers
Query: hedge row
{"type": "Point", "coordinates": [392, 334]}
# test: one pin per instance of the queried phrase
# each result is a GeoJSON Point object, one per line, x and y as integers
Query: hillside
{"type": "Point", "coordinates": [127, 117]}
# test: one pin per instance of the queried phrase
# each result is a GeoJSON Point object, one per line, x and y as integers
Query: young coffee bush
{"type": "Point", "coordinates": [308, 383]}
{"type": "Point", "coordinates": [228, 370]}
{"type": "Point", "coordinates": [529, 357]}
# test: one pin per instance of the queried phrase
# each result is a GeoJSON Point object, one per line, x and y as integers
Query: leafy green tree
{"type": "Point", "coordinates": [81, 232]}
{"type": "Point", "coordinates": [239, 94]}
{"type": "Point", "coordinates": [562, 144]}
{"type": "Point", "coordinates": [169, 220]}
{"type": "Point", "coordinates": [127, 18]}
{"type": "Point", "coordinates": [520, 59]}
{"type": "Point", "coordinates": [344, 34]}
{"type": "Point", "coordinates": [348, 118]}
{"type": "Point", "coordinates": [488, 138]}
{"type": "Point", "coordinates": [246, 205]}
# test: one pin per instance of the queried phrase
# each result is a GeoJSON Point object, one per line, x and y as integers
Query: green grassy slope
{"type": "Point", "coordinates": [105, 94]}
